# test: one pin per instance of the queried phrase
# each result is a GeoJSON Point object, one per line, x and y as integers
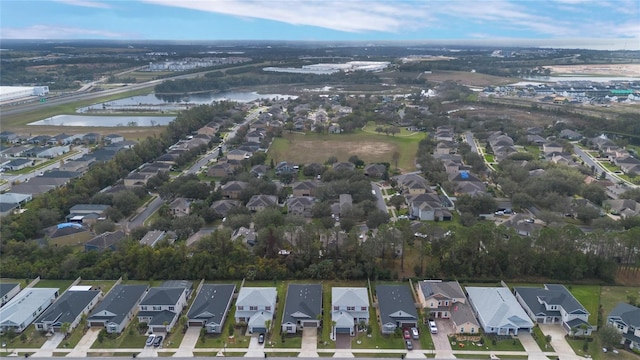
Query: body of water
{"type": "Point", "coordinates": [153, 102]}
{"type": "Point", "coordinates": [107, 121]}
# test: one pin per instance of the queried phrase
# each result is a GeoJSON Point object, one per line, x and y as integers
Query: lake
{"type": "Point", "coordinates": [153, 102]}
{"type": "Point", "coordinates": [106, 121]}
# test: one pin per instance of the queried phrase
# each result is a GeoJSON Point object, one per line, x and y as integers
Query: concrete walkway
{"type": "Point", "coordinates": [309, 347]}
{"type": "Point", "coordinates": [255, 350]}
{"type": "Point", "coordinates": [85, 343]}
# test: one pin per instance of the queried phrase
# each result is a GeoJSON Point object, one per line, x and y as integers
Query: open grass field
{"type": "Point", "coordinates": [589, 297]}
{"type": "Point", "coordinates": [610, 296]}
{"type": "Point", "coordinates": [370, 147]}
{"type": "Point", "coordinates": [59, 284]}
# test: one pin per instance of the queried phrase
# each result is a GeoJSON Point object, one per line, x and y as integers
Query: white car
{"type": "Point", "coordinates": [432, 327]}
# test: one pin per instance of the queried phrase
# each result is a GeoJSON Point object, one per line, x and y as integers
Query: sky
{"type": "Point", "coordinates": [613, 24]}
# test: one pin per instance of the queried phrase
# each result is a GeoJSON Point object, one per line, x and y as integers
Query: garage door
{"type": "Point", "coordinates": [259, 330]}
{"type": "Point", "coordinates": [195, 323]}
{"type": "Point", "coordinates": [343, 330]}
{"type": "Point", "coordinates": [309, 324]}
{"type": "Point", "coordinates": [96, 323]}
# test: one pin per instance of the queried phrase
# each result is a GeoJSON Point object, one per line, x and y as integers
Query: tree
{"type": "Point", "coordinates": [267, 324]}
{"type": "Point", "coordinates": [609, 336]}
{"type": "Point", "coordinates": [395, 157]}
{"type": "Point", "coordinates": [397, 201]}
{"type": "Point", "coordinates": [376, 218]}
{"type": "Point", "coordinates": [65, 327]}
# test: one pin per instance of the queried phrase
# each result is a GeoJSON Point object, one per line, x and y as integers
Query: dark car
{"type": "Point", "coordinates": [158, 341]}
{"type": "Point", "coordinates": [409, 344]}
{"type": "Point", "coordinates": [261, 338]}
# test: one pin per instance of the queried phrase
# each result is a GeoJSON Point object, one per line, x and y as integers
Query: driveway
{"type": "Point", "coordinates": [560, 345]}
{"type": "Point", "coordinates": [343, 341]}
{"type": "Point", "coordinates": [309, 342]}
{"type": "Point", "coordinates": [189, 342]}
{"type": "Point", "coordinates": [441, 339]}
{"type": "Point", "coordinates": [85, 342]}
{"type": "Point", "coordinates": [531, 346]}
{"type": "Point", "coordinates": [255, 350]}
{"type": "Point", "coordinates": [46, 350]}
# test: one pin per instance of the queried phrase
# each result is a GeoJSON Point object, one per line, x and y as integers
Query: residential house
{"type": "Point", "coordinates": [8, 291]}
{"type": "Point", "coordinates": [285, 168]}
{"type": "Point", "coordinates": [256, 306]}
{"type": "Point", "coordinates": [259, 170]}
{"type": "Point", "coordinates": [87, 213]}
{"type": "Point", "coordinates": [117, 308]}
{"type": "Point", "coordinates": [570, 135]}
{"type": "Point", "coordinates": [211, 306]}
{"type": "Point", "coordinates": [222, 207]}
{"type": "Point", "coordinates": [554, 304]}
{"type": "Point", "coordinates": [91, 138]}
{"type": "Point", "coordinates": [349, 308]}
{"type": "Point", "coordinates": [626, 319]}
{"type": "Point", "coordinates": [18, 164]}
{"type": "Point", "coordinates": [24, 308]}
{"type": "Point", "coordinates": [375, 170]}
{"type": "Point", "coordinates": [304, 188]}
{"type": "Point", "coordinates": [413, 184]}
{"type": "Point", "coordinates": [237, 154]}
{"type": "Point", "coordinates": [498, 311]}
{"type": "Point", "coordinates": [69, 308]}
{"type": "Point", "coordinates": [78, 165]}
{"type": "Point", "coordinates": [113, 138]}
{"type": "Point", "coordinates": [261, 202]}
{"type": "Point", "coordinates": [15, 151]}
{"type": "Point", "coordinates": [152, 237]}
{"type": "Point", "coordinates": [210, 129]}
{"type": "Point", "coordinates": [300, 205]}
{"type": "Point", "coordinates": [161, 307]}
{"type": "Point", "coordinates": [9, 137]}
{"type": "Point", "coordinates": [552, 147]}
{"type": "Point", "coordinates": [180, 207]}
{"type": "Point", "coordinates": [536, 139]}
{"type": "Point", "coordinates": [136, 180]}
{"type": "Point", "coordinates": [444, 133]}
{"type": "Point", "coordinates": [623, 207]}
{"type": "Point", "coordinates": [221, 169]}
{"type": "Point", "coordinates": [396, 307]}
{"type": "Point", "coordinates": [438, 296]}
{"type": "Point", "coordinates": [232, 189]}
{"type": "Point", "coordinates": [344, 166]}
{"type": "Point", "coordinates": [427, 207]}
{"type": "Point", "coordinates": [255, 136]}
{"type": "Point", "coordinates": [247, 236]}
{"type": "Point", "coordinates": [104, 241]}
{"type": "Point", "coordinates": [303, 307]}
{"type": "Point", "coordinates": [39, 139]}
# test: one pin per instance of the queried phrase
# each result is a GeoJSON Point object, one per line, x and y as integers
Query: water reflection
{"type": "Point", "coordinates": [106, 121]}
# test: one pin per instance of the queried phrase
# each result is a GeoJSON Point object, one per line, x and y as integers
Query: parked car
{"type": "Point", "coordinates": [150, 340]}
{"type": "Point", "coordinates": [409, 344]}
{"type": "Point", "coordinates": [261, 338]}
{"type": "Point", "coordinates": [414, 333]}
{"type": "Point", "coordinates": [158, 341]}
{"type": "Point", "coordinates": [407, 336]}
{"type": "Point", "coordinates": [432, 327]}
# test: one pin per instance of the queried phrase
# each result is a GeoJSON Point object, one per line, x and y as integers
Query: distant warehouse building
{"type": "Point", "coordinates": [17, 92]}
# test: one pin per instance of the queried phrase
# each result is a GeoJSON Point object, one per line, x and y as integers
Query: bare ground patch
{"type": "Point", "coordinates": [597, 69]}
{"type": "Point", "coordinates": [315, 150]}
{"type": "Point", "coordinates": [469, 78]}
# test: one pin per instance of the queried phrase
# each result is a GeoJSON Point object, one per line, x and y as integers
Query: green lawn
{"type": "Point", "coordinates": [489, 158]}
{"type": "Point", "coordinates": [72, 339]}
{"type": "Point", "coordinates": [540, 339]}
{"type": "Point", "coordinates": [595, 350]}
{"type": "Point", "coordinates": [370, 147]}
{"type": "Point", "coordinates": [500, 345]}
{"type": "Point", "coordinates": [610, 296]}
{"type": "Point", "coordinates": [376, 340]}
{"type": "Point", "coordinates": [589, 297]}
{"type": "Point", "coordinates": [124, 340]}
{"type": "Point", "coordinates": [30, 338]}
{"type": "Point", "coordinates": [59, 284]}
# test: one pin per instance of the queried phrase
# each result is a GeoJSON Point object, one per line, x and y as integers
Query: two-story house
{"type": "Point", "coordinates": [232, 189]}
{"type": "Point", "coordinates": [349, 308]}
{"type": "Point", "coordinates": [626, 319]}
{"type": "Point", "coordinates": [554, 304]}
{"type": "Point", "coordinates": [256, 306]}
{"type": "Point", "coordinates": [445, 299]}
{"type": "Point", "coordinates": [300, 205]}
{"type": "Point", "coordinates": [161, 307]}
{"type": "Point", "coordinates": [261, 202]}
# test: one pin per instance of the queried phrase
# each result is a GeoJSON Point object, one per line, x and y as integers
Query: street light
{"type": "Point", "coordinates": [224, 349]}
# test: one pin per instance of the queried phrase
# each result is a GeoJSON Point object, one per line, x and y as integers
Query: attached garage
{"type": "Point", "coordinates": [257, 330]}
{"type": "Point", "coordinates": [309, 324]}
{"type": "Point", "coordinates": [96, 323]}
{"type": "Point", "coordinates": [196, 323]}
{"type": "Point", "coordinates": [343, 330]}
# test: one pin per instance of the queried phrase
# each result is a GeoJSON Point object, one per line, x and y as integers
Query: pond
{"type": "Point", "coordinates": [153, 102]}
{"type": "Point", "coordinates": [106, 121]}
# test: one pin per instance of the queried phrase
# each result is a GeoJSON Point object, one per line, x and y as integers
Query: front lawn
{"type": "Point", "coordinates": [487, 343]}
{"type": "Point", "coordinates": [29, 338]}
{"type": "Point", "coordinates": [373, 338]}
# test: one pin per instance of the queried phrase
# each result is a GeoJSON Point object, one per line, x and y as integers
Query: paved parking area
{"type": "Point", "coordinates": [309, 345]}
{"type": "Point", "coordinates": [441, 340]}
{"type": "Point", "coordinates": [343, 341]}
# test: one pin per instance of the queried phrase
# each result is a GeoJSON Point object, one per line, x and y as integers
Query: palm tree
{"type": "Point", "coordinates": [65, 327]}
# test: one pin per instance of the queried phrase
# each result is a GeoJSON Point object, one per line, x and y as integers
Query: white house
{"type": "Point", "coordinates": [255, 306]}
{"type": "Point", "coordinates": [349, 307]}
{"type": "Point", "coordinates": [8, 290]}
{"type": "Point", "coordinates": [626, 319]}
{"type": "Point", "coordinates": [498, 310]}
{"type": "Point", "coordinates": [25, 307]}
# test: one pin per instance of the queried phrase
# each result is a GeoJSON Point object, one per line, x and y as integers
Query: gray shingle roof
{"type": "Point", "coordinates": [450, 289]}
{"type": "Point", "coordinates": [627, 313]}
{"type": "Point", "coordinates": [304, 301]}
{"type": "Point", "coordinates": [118, 303]}
{"type": "Point", "coordinates": [162, 296]}
{"type": "Point", "coordinates": [6, 287]}
{"type": "Point", "coordinates": [212, 302]}
{"type": "Point", "coordinates": [395, 303]}
{"type": "Point", "coordinates": [68, 307]}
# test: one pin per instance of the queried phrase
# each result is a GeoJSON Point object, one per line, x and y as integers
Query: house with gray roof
{"type": "Point", "coordinates": [554, 304]}
{"type": "Point", "coordinates": [232, 189]}
{"type": "Point", "coordinates": [161, 307]}
{"type": "Point", "coordinates": [69, 308]}
{"type": "Point", "coordinates": [349, 307]}
{"type": "Point", "coordinates": [11, 201]}
{"type": "Point", "coordinates": [78, 212]}
{"type": "Point", "coordinates": [222, 207]}
{"type": "Point", "coordinates": [8, 291]}
{"type": "Point", "coordinates": [211, 306]}
{"type": "Point", "coordinates": [24, 308]}
{"type": "Point", "coordinates": [303, 307]}
{"type": "Point", "coordinates": [498, 311]}
{"type": "Point", "coordinates": [445, 299]}
{"type": "Point", "coordinates": [261, 202]}
{"type": "Point", "coordinates": [255, 306]}
{"type": "Point", "coordinates": [626, 319]}
{"type": "Point", "coordinates": [117, 308]}
{"type": "Point", "coordinates": [397, 308]}
{"type": "Point", "coordinates": [18, 164]}
{"type": "Point", "coordinates": [300, 205]}
{"type": "Point", "coordinates": [104, 241]}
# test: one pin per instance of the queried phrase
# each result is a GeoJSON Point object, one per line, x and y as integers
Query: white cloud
{"type": "Point", "coordinates": [61, 32]}
{"type": "Point", "coordinates": [86, 3]}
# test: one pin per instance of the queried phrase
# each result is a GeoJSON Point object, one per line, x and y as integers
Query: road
{"type": "Point", "coordinates": [469, 138]}
{"type": "Point", "coordinates": [148, 210]}
{"type": "Point", "coordinates": [375, 189]}
{"type": "Point", "coordinates": [591, 162]}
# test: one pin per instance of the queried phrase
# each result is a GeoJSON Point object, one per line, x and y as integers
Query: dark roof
{"type": "Point", "coordinates": [118, 303]}
{"type": "Point", "coordinates": [450, 289]}
{"type": "Point", "coordinates": [88, 207]}
{"type": "Point", "coordinates": [212, 303]}
{"type": "Point", "coordinates": [6, 287]}
{"type": "Point", "coordinates": [68, 307]}
{"type": "Point", "coordinates": [106, 240]}
{"type": "Point", "coordinates": [395, 303]}
{"type": "Point", "coordinates": [162, 296]}
{"type": "Point", "coordinates": [627, 313]}
{"type": "Point", "coordinates": [551, 294]}
{"type": "Point", "coordinates": [18, 162]}
{"type": "Point", "coordinates": [57, 174]}
{"type": "Point", "coordinates": [304, 301]}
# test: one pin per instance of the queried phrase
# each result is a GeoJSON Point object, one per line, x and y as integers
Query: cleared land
{"type": "Point", "coordinates": [370, 147]}
{"type": "Point", "coordinates": [469, 78]}
{"type": "Point", "coordinates": [597, 69]}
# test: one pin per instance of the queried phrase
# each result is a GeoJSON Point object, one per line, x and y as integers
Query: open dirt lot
{"type": "Point", "coordinates": [597, 69]}
{"type": "Point", "coordinates": [468, 78]}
